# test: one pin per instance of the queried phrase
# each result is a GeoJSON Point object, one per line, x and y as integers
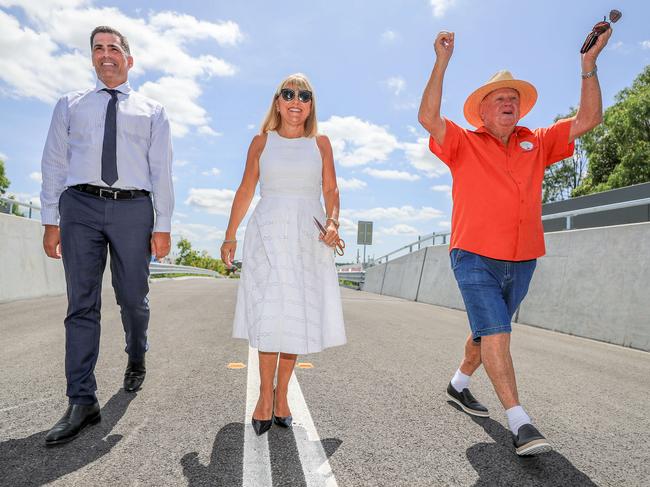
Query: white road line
{"type": "Point", "coordinates": [315, 465]}
{"type": "Point", "coordinates": [257, 461]}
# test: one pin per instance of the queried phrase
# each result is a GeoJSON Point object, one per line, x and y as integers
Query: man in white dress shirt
{"type": "Point", "coordinates": [107, 151]}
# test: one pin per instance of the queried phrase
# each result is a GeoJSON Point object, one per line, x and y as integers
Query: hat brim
{"type": "Point", "coordinates": [527, 98]}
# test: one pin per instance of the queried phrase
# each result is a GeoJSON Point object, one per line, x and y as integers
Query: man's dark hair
{"type": "Point", "coordinates": [104, 29]}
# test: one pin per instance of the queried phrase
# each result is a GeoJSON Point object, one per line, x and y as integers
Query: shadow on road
{"type": "Point", "coordinates": [227, 458]}
{"type": "Point", "coordinates": [498, 464]}
{"type": "Point", "coordinates": [27, 461]}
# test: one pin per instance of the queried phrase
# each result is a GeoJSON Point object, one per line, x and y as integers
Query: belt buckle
{"type": "Point", "coordinates": [111, 194]}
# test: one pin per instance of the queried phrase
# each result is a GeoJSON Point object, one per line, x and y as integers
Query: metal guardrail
{"type": "Point", "coordinates": [8, 204]}
{"type": "Point", "coordinates": [418, 243]}
{"type": "Point", "coordinates": [357, 277]}
{"type": "Point", "coordinates": [568, 215]}
{"type": "Point", "coordinates": [156, 268]}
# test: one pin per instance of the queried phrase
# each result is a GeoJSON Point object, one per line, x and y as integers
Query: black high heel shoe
{"type": "Point", "coordinates": [284, 422]}
{"type": "Point", "coordinates": [261, 426]}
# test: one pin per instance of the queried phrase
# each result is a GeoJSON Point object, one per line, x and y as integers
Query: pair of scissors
{"type": "Point", "coordinates": [340, 245]}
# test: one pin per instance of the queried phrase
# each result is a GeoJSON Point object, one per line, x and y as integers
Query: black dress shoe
{"type": "Point", "coordinates": [134, 375]}
{"type": "Point", "coordinates": [467, 402]}
{"type": "Point", "coordinates": [529, 441]}
{"type": "Point", "coordinates": [261, 426]}
{"type": "Point", "coordinates": [76, 418]}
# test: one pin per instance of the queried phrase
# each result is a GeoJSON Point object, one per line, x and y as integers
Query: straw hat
{"type": "Point", "coordinates": [502, 79]}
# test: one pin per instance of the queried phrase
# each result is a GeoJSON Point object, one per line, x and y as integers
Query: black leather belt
{"type": "Point", "coordinates": [111, 193]}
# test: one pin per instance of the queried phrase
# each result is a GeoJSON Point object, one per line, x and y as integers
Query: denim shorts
{"type": "Point", "coordinates": [492, 290]}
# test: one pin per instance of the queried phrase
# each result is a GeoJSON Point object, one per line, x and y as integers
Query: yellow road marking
{"type": "Point", "coordinates": [236, 365]}
{"type": "Point", "coordinates": [305, 365]}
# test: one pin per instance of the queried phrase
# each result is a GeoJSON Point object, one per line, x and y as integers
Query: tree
{"type": "Point", "coordinates": [191, 257]}
{"type": "Point", "coordinates": [4, 181]}
{"type": "Point", "coordinates": [564, 177]}
{"type": "Point", "coordinates": [619, 149]}
{"type": "Point", "coordinates": [4, 185]}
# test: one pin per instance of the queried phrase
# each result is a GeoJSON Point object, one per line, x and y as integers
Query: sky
{"type": "Point", "coordinates": [215, 66]}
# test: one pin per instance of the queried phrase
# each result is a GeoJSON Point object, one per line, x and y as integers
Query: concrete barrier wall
{"type": "Point", "coordinates": [438, 285]}
{"type": "Point", "coordinates": [374, 278]}
{"type": "Point", "coordinates": [593, 283]}
{"type": "Point", "coordinates": [403, 275]}
{"type": "Point", "coordinates": [25, 270]}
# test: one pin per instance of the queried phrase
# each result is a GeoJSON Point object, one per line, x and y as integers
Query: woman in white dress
{"type": "Point", "coordinates": [288, 302]}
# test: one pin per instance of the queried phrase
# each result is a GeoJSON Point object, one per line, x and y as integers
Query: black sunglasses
{"type": "Point", "coordinates": [288, 94]}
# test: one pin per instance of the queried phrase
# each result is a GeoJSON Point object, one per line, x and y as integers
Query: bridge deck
{"type": "Point", "coordinates": [378, 404]}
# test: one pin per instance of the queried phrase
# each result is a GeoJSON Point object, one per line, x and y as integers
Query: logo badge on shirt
{"type": "Point", "coordinates": [526, 145]}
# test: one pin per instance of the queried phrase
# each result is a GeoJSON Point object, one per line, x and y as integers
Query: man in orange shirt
{"type": "Point", "coordinates": [497, 232]}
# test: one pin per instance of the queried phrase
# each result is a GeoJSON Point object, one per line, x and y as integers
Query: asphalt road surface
{"type": "Point", "coordinates": [370, 413]}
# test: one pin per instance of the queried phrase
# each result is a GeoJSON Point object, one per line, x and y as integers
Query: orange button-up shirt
{"type": "Point", "coordinates": [497, 189]}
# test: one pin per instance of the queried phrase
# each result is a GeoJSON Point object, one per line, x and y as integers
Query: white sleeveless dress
{"type": "Point", "coordinates": [288, 298]}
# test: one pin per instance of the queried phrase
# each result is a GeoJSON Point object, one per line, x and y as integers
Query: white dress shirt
{"type": "Point", "coordinates": [73, 150]}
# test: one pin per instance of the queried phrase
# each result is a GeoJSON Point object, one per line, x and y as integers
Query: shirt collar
{"type": "Point", "coordinates": [124, 88]}
{"type": "Point", "coordinates": [520, 131]}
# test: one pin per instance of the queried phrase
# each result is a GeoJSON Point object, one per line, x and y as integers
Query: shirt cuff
{"type": "Point", "coordinates": [163, 224]}
{"type": "Point", "coordinates": [49, 216]}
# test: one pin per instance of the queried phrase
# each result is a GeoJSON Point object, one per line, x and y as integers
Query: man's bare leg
{"type": "Point", "coordinates": [496, 358]}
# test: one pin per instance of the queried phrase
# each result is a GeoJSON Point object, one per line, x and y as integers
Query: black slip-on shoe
{"type": "Point", "coordinates": [75, 419]}
{"type": "Point", "coordinates": [134, 375]}
{"type": "Point", "coordinates": [467, 402]}
{"type": "Point", "coordinates": [528, 441]}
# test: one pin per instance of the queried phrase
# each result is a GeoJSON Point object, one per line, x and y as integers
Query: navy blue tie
{"type": "Point", "coordinates": [109, 148]}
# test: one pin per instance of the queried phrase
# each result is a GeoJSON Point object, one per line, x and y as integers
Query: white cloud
{"type": "Point", "coordinates": [422, 159]}
{"type": "Point", "coordinates": [179, 96]}
{"type": "Point", "coordinates": [214, 201]}
{"type": "Point", "coordinates": [181, 28]}
{"type": "Point", "coordinates": [350, 184]}
{"type": "Point", "coordinates": [212, 172]}
{"type": "Point", "coordinates": [347, 226]}
{"type": "Point", "coordinates": [399, 229]}
{"type": "Point", "coordinates": [396, 84]}
{"type": "Point", "coordinates": [442, 188]}
{"type": "Point", "coordinates": [197, 231]}
{"type": "Point", "coordinates": [206, 130]}
{"type": "Point", "coordinates": [356, 142]}
{"type": "Point", "coordinates": [251, 126]}
{"type": "Point", "coordinates": [404, 213]}
{"type": "Point", "coordinates": [33, 65]}
{"type": "Point", "coordinates": [440, 7]}
{"type": "Point", "coordinates": [4, 156]}
{"type": "Point", "coordinates": [645, 44]}
{"type": "Point", "coordinates": [36, 176]}
{"type": "Point", "coordinates": [391, 174]}
{"type": "Point", "coordinates": [50, 54]}
{"type": "Point", "coordinates": [616, 45]}
{"type": "Point", "coordinates": [389, 36]}
{"type": "Point", "coordinates": [444, 224]}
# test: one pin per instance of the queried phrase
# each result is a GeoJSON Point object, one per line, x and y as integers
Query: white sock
{"type": "Point", "coordinates": [460, 381]}
{"type": "Point", "coordinates": [517, 417]}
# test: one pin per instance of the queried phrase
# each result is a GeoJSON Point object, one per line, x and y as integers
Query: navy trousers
{"type": "Point", "coordinates": [90, 227]}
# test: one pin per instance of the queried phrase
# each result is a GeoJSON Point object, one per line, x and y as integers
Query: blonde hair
{"type": "Point", "coordinates": [272, 121]}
